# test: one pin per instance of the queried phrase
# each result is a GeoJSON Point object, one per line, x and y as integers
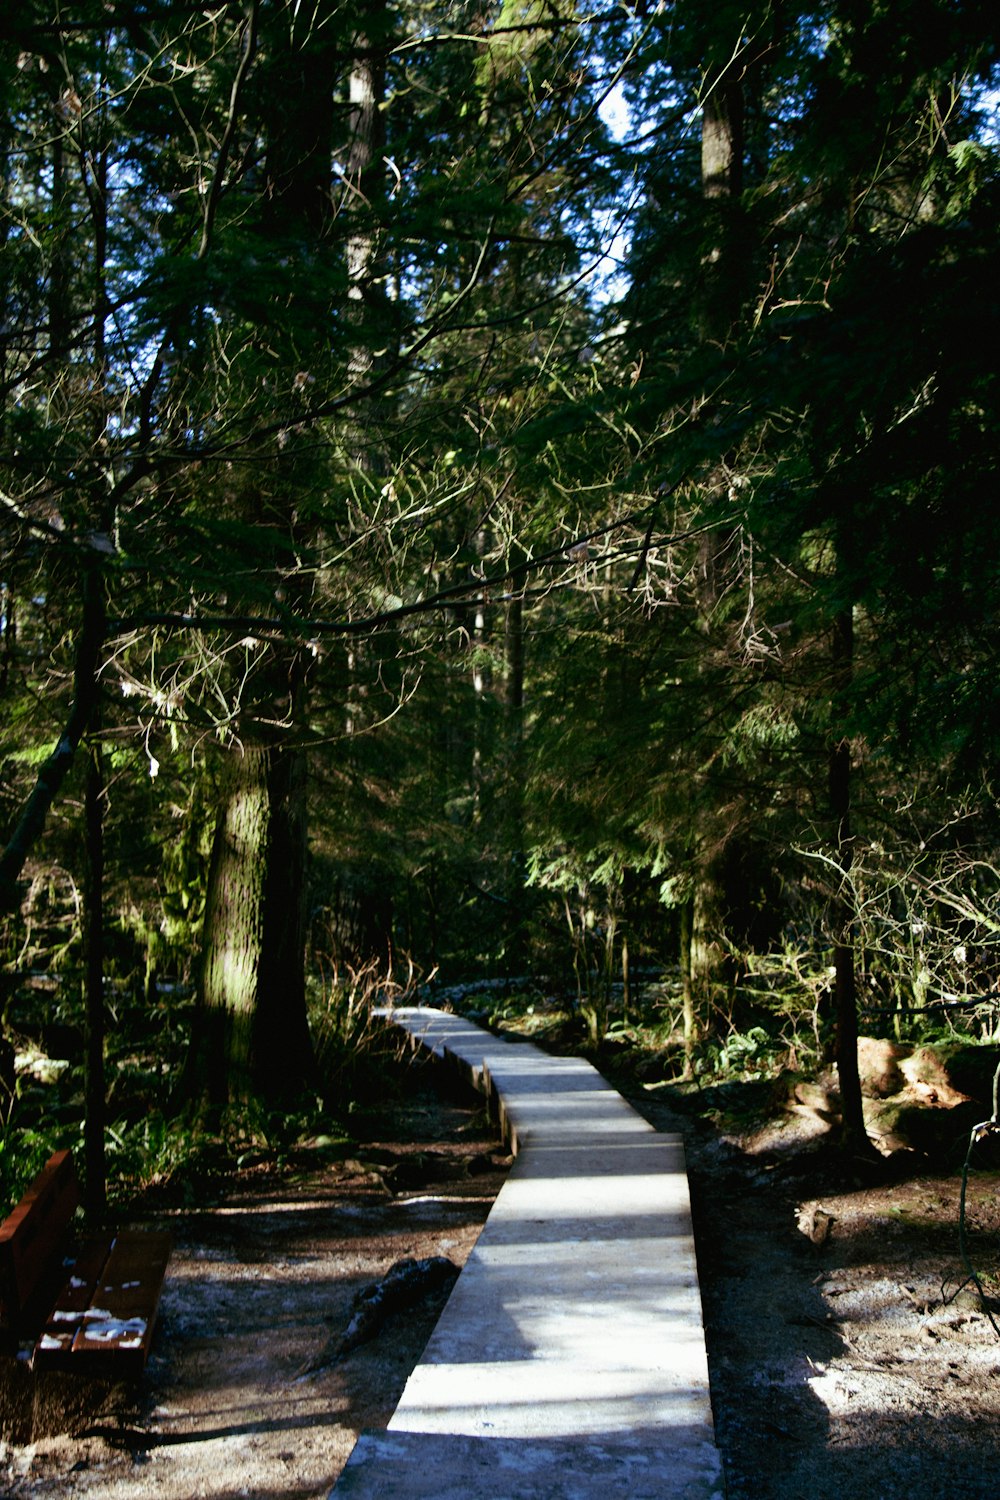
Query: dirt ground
{"type": "Point", "coordinates": [260, 1285]}
{"type": "Point", "coordinates": [842, 1363]}
{"type": "Point", "coordinates": [847, 1362]}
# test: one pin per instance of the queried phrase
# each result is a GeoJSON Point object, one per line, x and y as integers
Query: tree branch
{"type": "Point", "coordinates": [472, 591]}
{"type": "Point", "coordinates": [53, 773]}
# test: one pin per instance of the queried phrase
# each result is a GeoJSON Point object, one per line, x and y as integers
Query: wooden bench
{"type": "Point", "coordinates": [85, 1305]}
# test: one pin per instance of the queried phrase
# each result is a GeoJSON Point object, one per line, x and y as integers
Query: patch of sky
{"type": "Point", "coordinates": [984, 98]}
{"type": "Point", "coordinates": [606, 279]}
{"type": "Point", "coordinates": [616, 113]}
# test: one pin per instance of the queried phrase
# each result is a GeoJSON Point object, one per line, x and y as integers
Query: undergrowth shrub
{"type": "Point", "coordinates": [350, 1038]}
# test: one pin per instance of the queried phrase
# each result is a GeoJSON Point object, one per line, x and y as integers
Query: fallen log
{"type": "Point", "coordinates": [406, 1283]}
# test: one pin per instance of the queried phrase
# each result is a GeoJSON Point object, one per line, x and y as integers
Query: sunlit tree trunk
{"type": "Point", "coordinates": [364, 180]}
{"type": "Point", "coordinates": [234, 927]}
{"type": "Point", "coordinates": [254, 1039]}
{"type": "Point", "coordinates": [706, 977]}
{"type": "Point", "coordinates": [722, 169]}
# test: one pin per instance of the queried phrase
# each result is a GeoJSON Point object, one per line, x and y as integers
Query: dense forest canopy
{"type": "Point", "coordinates": [444, 534]}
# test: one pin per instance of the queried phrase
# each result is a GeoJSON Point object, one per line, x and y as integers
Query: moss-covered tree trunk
{"type": "Point", "coordinates": [706, 972]}
{"type": "Point", "coordinates": [234, 927]}
{"type": "Point", "coordinates": [252, 1036]}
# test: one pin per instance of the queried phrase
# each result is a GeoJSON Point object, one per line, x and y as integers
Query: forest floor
{"type": "Point", "coordinates": [849, 1359]}
{"type": "Point", "coordinates": [842, 1362]}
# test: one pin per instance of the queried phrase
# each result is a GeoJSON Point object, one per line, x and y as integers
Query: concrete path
{"type": "Point", "coordinates": [569, 1361]}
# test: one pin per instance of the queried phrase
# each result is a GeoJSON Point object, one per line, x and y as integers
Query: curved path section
{"type": "Point", "coordinates": [569, 1361]}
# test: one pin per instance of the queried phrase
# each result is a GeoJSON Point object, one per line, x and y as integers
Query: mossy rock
{"type": "Point", "coordinates": [786, 1085]}
{"type": "Point", "coordinates": [878, 1066]}
{"type": "Point", "coordinates": [971, 1069]}
{"type": "Point", "coordinates": [953, 1067]}
{"type": "Point", "coordinates": [652, 1068]}
{"type": "Point", "coordinates": [938, 1133]}
{"type": "Point", "coordinates": [794, 1089]}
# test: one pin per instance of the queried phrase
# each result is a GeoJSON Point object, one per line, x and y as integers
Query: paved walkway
{"type": "Point", "coordinates": [569, 1362]}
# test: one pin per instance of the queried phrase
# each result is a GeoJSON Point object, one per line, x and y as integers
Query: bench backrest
{"type": "Point", "coordinates": [31, 1237]}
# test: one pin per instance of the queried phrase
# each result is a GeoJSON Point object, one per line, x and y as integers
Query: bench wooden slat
{"type": "Point", "coordinates": [84, 1270]}
{"type": "Point", "coordinates": [31, 1237]}
{"type": "Point", "coordinates": [117, 1329]}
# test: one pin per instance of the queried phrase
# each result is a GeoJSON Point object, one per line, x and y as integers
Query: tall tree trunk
{"type": "Point", "coordinates": [842, 907]}
{"type": "Point", "coordinates": [481, 769]}
{"type": "Point", "coordinates": [59, 279]}
{"type": "Point", "coordinates": [364, 179]}
{"type": "Point", "coordinates": [722, 152]}
{"type": "Point", "coordinates": [705, 969]}
{"type": "Point", "coordinates": [516, 951]}
{"type": "Point", "coordinates": [252, 1035]}
{"type": "Point", "coordinates": [233, 933]}
{"type": "Point", "coordinates": [689, 1007]}
{"type": "Point", "coordinates": [284, 1057]}
{"type": "Point", "coordinates": [706, 972]}
{"type": "Point", "coordinates": [94, 173]}
{"type": "Point", "coordinates": [94, 1085]}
